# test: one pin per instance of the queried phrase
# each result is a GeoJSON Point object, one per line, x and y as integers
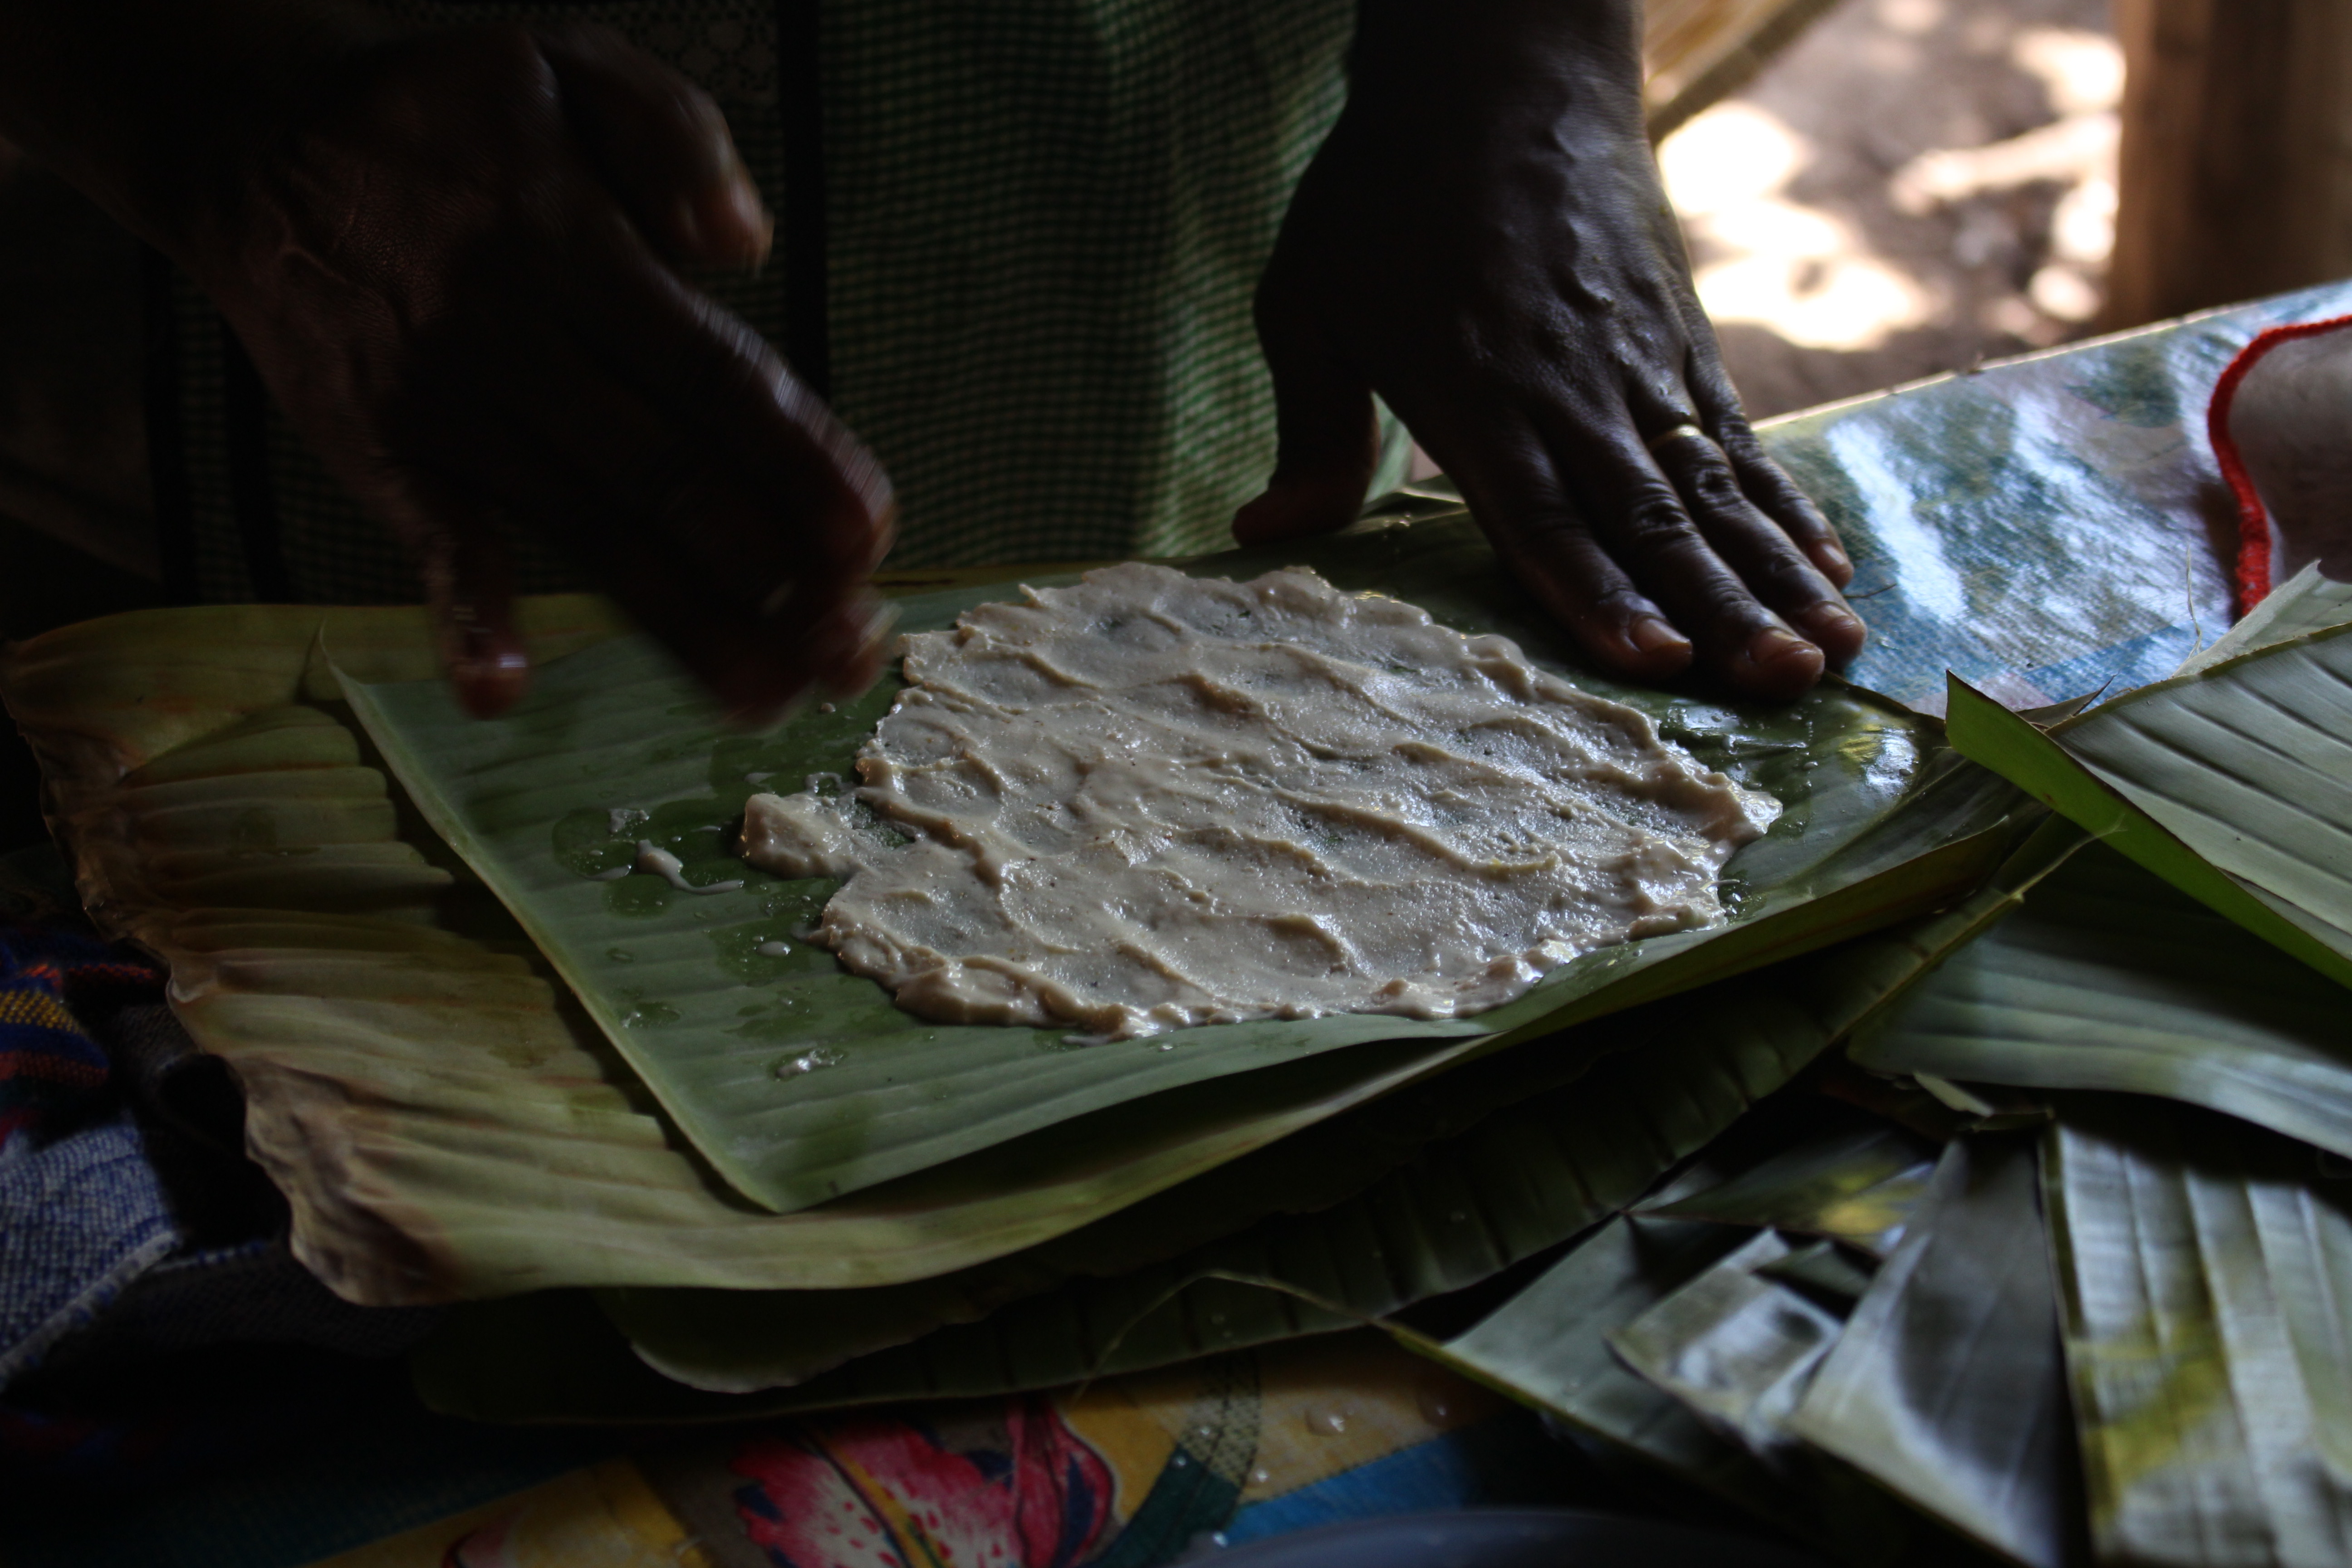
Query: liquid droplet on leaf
{"type": "Point", "coordinates": [815, 1060]}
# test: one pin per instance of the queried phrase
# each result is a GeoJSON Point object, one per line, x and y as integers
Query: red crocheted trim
{"type": "Point", "coordinates": [2254, 572]}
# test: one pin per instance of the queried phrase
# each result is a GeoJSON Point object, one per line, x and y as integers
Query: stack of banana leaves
{"type": "Point", "coordinates": [1979, 1188]}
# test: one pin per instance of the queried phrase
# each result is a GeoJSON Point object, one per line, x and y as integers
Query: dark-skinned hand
{"type": "Point", "coordinates": [453, 255]}
{"type": "Point", "coordinates": [1484, 243]}
{"type": "Point", "coordinates": [457, 278]}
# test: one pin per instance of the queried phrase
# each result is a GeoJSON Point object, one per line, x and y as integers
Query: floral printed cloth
{"type": "Point", "coordinates": [889, 1490]}
{"type": "Point", "coordinates": [83, 1211]}
{"type": "Point", "coordinates": [1128, 1473]}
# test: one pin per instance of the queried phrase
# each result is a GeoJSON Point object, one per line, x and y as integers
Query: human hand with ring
{"type": "Point", "coordinates": [1532, 321]}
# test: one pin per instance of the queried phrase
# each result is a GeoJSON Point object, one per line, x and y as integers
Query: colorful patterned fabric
{"type": "Point", "coordinates": [893, 1488]}
{"type": "Point", "coordinates": [1030, 264]}
{"type": "Point", "coordinates": [83, 1211]}
{"type": "Point", "coordinates": [1132, 1472]}
{"type": "Point", "coordinates": [48, 1063]}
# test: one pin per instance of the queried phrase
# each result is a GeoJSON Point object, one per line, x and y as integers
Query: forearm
{"type": "Point", "coordinates": [153, 107]}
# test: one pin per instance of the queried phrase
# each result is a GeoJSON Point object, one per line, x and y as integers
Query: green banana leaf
{"type": "Point", "coordinates": [737, 1340]}
{"type": "Point", "coordinates": [2307, 602]}
{"type": "Point", "coordinates": [2233, 784]}
{"type": "Point", "coordinates": [1943, 1384]}
{"type": "Point", "coordinates": [1856, 1186]}
{"type": "Point", "coordinates": [1947, 1385]}
{"type": "Point", "coordinates": [2202, 1266]}
{"type": "Point", "coordinates": [800, 1082]}
{"type": "Point", "coordinates": [778, 1338]}
{"type": "Point", "coordinates": [1551, 1346]}
{"type": "Point", "coordinates": [2109, 978]}
{"type": "Point", "coordinates": [1523, 1179]}
{"type": "Point", "coordinates": [443, 1121]}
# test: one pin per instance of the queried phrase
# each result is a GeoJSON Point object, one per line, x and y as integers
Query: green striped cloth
{"type": "Point", "coordinates": [1042, 223]}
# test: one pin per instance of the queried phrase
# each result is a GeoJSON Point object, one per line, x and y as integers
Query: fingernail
{"type": "Point", "coordinates": [1830, 557]}
{"type": "Point", "coordinates": [504, 664]}
{"type": "Point", "coordinates": [751, 214]}
{"type": "Point", "coordinates": [1651, 637]}
{"type": "Point", "coordinates": [879, 540]}
{"type": "Point", "coordinates": [1775, 646]}
{"type": "Point", "coordinates": [849, 658]}
{"type": "Point", "coordinates": [1828, 623]}
{"type": "Point", "coordinates": [489, 681]}
{"type": "Point", "coordinates": [482, 655]}
{"type": "Point", "coordinates": [728, 224]}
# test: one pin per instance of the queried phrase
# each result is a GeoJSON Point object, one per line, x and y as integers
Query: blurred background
{"type": "Point", "coordinates": [1909, 186]}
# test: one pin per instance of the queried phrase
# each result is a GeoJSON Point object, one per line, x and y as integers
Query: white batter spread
{"type": "Point", "coordinates": [1150, 800]}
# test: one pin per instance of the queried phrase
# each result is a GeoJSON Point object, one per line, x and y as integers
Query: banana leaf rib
{"type": "Point", "coordinates": [2109, 978]}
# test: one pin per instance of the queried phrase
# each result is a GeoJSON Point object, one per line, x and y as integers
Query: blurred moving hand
{"type": "Point", "coordinates": [452, 255]}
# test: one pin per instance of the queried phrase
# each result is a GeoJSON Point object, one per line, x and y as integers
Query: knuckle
{"type": "Point", "coordinates": [1552, 528]}
{"type": "Point", "coordinates": [1740, 443]}
{"type": "Point", "coordinates": [1712, 484]}
{"type": "Point", "coordinates": [1768, 561]}
{"type": "Point", "coordinates": [1616, 606]}
{"type": "Point", "coordinates": [1789, 580]}
{"type": "Point", "coordinates": [1655, 525]}
{"type": "Point", "coordinates": [1727, 609]}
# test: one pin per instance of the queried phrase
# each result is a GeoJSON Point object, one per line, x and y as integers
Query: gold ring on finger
{"type": "Point", "coordinates": [1657, 444]}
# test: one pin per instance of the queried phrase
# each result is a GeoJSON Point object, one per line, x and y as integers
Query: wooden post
{"type": "Point", "coordinates": [2236, 175]}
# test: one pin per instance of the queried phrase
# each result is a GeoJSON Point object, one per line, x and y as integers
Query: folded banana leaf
{"type": "Point", "coordinates": [1740, 1346]}
{"type": "Point", "coordinates": [1946, 1385]}
{"type": "Point", "coordinates": [501, 1362]}
{"type": "Point", "coordinates": [2107, 977]}
{"type": "Point", "coordinates": [1827, 1272]}
{"type": "Point", "coordinates": [2234, 783]}
{"type": "Point", "coordinates": [1522, 1179]}
{"type": "Point", "coordinates": [1942, 1383]}
{"type": "Point", "coordinates": [1736, 1346]}
{"type": "Point", "coordinates": [2203, 1266]}
{"type": "Point", "coordinates": [1722, 1343]}
{"type": "Point", "coordinates": [1547, 1347]}
{"type": "Point", "coordinates": [799, 1081]}
{"type": "Point", "coordinates": [1854, 1186]}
